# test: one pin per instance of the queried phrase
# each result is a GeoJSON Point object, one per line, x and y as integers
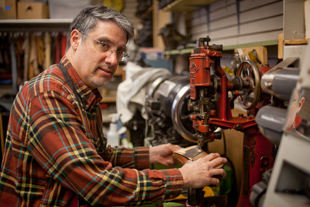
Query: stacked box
{"type": "Point", "coordinates": [32, 10]}
{"type": "Point", "coordinates": [7, 9]}
{"type": "Point", "coordinates": [68, 9]}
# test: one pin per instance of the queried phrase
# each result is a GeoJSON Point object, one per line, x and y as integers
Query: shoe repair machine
{"type": "Point", "coordinates": [199, 109]}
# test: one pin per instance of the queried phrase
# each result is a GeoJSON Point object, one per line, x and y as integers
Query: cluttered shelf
{"type": "Point", "coordinates": [20, 16]}
{"type": "Point", "coordinates": [108, 99]}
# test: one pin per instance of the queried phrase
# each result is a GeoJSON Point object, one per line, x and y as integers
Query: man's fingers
{"type": "Point", "coordinates": [215, 160]}
{"type": "Point", "coordinates": [219, 162]}
{"type": "Point", "coordinates": [188, 162]}
{"type": "Point", "coordinates": [170, 161]}
{"type": "Point", "coordinates": [212, 156]}
{"type": "Point", "coordinates": [175, 147]}
{"type": "Point", "coordinates": [214, 181]}
{"type": "Point", "coordinates": [217, 172]}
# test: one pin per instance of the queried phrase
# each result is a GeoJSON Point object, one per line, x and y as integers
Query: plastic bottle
{"type": "Point", "coordinates": [112, 136]}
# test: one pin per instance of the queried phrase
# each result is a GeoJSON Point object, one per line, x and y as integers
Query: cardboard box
{"type": "Point", "coordinates": [7, 9]}
{"type": "Point", "coordinates": [32, 10]}
{"type": "Point", "coordinates": [66, 9]}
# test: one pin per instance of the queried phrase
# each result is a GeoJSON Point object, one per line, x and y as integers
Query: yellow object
{"type": "Point", "coordinates": [208, 192]}
{"type": "Point", "coordinates": [179, 197]}
{"type": "Point", "coordinates": [228, 70]}
{"type": "Point", "coordinates": [117, 5]}
{"type": "Point", "coordinates": [253, 58]}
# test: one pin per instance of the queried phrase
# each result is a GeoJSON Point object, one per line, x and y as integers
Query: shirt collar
{"type": "Point", "coordinates": [88, 96]}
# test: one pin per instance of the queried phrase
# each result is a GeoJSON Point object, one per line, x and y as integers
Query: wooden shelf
{"type": "Point", "coordinates": [108, 99]}
{"type": "Point", "coordinates": [296, 42]}
{"type": "Point", "coordinates": [42, 25]}
{"type": "Point", "coordinates": [187, 5]}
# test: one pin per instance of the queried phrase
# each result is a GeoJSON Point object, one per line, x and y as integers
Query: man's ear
{"type": "Point", "coordinates": [75, 39]}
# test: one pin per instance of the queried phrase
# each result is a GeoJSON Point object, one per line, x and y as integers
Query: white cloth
{"type": "Point", "coordinates": [132, 92]}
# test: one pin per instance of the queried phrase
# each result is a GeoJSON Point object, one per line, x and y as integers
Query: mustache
{"type": "Point", "coordinates": [107, 68]}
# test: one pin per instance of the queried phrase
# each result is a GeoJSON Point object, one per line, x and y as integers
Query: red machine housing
{"type": "Point", "coordinates": [211, 109]}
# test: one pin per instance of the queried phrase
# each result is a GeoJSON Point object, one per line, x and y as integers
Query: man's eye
{"type": "Point", "coordinates": [119, 52]}
{"type": "Point", "coordinates": [105, 46]}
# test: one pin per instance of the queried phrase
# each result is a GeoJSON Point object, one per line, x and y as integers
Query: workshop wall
{"type": "Point", "coordinates": [130, 12]}
{"type": "Point", "coordinates": [225, 23]}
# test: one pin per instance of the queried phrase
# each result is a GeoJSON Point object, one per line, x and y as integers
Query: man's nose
{"type": "Point", "coordinates": [112, 57]}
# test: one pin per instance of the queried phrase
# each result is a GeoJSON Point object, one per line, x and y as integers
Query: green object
{"type": "Point", "coordinates": [166, 204]}
{"type": "Point", "coordinates": [173, 204]}
{"type": "Point", "coordinates": [157, 166]}
{"type": "Point", "coordinates": [225, 184]}
{"type": "Point", "coordinates": [148, 205]}
{"type": "Point", "coordinates": [223, 189]}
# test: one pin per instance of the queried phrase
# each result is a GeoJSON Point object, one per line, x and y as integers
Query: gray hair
{"type": "Point", "coordinates": [87, 19]}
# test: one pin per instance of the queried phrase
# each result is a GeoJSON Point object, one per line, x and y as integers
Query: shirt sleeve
{"type": "Point", "coordinates": [58, 143]}
{"type": "Point", "coordinates": [137, 158]}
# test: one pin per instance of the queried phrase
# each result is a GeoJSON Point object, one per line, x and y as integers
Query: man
{"type": "Point", "coordinates": [295, 106]}
{"type": "Point", "coordinates": [55, 150]}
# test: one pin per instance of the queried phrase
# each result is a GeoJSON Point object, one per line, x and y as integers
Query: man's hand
{"type": "Point", "coordinates": [204, 171]}
{"type": "Point", "coordinates": [162, 154]}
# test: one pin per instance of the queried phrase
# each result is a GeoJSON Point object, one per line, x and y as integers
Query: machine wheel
{"type": "Point", "coordinates": [249, 72]}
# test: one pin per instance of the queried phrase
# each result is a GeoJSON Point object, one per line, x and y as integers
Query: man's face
{"type": "Point", "coordinates": [294, 108]}
{"type": "Point", "coordinates": [94, 65]}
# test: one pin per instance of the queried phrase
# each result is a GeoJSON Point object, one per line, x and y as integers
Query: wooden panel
{"type": "Point", "coordinates": [225, 32]}
{"type": "Point", "coordinates": [280, 46]}
{"type": "Point", "coordinates": [228, 26]}
{"type": "Point", "coordinates": [274, 23]}
{"type": "Point", "coordinates": [252, 4]}
{"type": "Point", "coordinates": [220, 4]}
{"type": "Point", "coordinates": [108, 99]}
{"type": "Point", "coordinates": [296, 42]}
{"type": "Point", "coordinates": [198, 17]}
{"type": "Point", "coordinates": [259, 21]}
{"type": "Point", "coordinates": [200, 29]}
{"type": "Point", "coordinates": [266, 11]}
{"type": "Point", "coordinates": [294, 20]}
{"type": "Point", "coordinates": [225, 22]}
{"type": "Point", "coordinates": [261, 53]}
{"type": "Point", "coordinates": [229, 10]}
{"type": "Point", "coordinates": [198, 21]}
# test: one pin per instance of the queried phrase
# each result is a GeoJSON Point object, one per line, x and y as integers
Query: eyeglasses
{"type": "Point", "coordinates": [106, 47]}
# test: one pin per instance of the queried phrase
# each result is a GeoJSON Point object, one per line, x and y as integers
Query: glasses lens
{"type": "Point", "coordinates": [106, 47]}
{"type": "Point", "coordinates": [121, 55]}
